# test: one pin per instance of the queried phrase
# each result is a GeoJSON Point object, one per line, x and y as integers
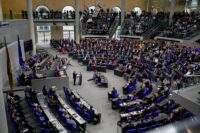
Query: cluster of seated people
{"type": "Point", "coordinates": [155, 59]}
{"type": "Point", "coordinates": [16, 115]}
{"type": "Point", "coordinates": [32, 64]}
{"type": "Point", "coordinates": [50, 14]}
{"type": "Point", "coordinates": [139, 113]}
{"type": "Point", "coordinates": [54, 103]}
{"type": "Point", "coordinates": [84, 109]}
{"type": "Point", "coordinates": [151, 77]}
{"type": "Point", "coordinates": [152, 69]}
{"type": "Point", "coordinates": [61, 45]}
{"type": "Point", "coordinates": [145, 91]}
{"type": "Point", "coordinates": [98, 24]}
{"type": "Point", "coordinates": [31, 99]}
{"type": "Point", "coordinates": [170, 63]}
{"type": "Point", "coordinates": [101, 52]}
{"type": "Point", "coordinates": [140, 24]}
{"type": "Point", "coordinates": [37, 58]}
{"type": "Point", "coordinates": [151, 116]}
{"type": "Point", "coordinates": [58, 71]}
{"type": "Point", "coordinates": [184, 24]}
{"type": "Point", "coordinates": [99, 79]}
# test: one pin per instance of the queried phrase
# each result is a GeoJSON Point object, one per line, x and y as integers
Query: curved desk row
{"type": "Point", "coordinates": [97, 115]}
{"type": "Point", "coordinates": [81, 122]}
{"type": "Point", "coordinates": [53, 120]}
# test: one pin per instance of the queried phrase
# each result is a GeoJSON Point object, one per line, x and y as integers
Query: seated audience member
{"type": "Point", "coordinates": [16, 114]}
{"type": "Point", "coordinates": [114, 93]}
{"type": "Point", "coordinates": [54, 102]}
{"type": "Point", "coordinates": [66, 115]}
{"type": "Point", "coordinates": [44, 90]}
{"type": "Point", "coordinates": [94, 76]}
{"type": "Point", "coordinates": [91, 111]}
{"type": "Point", "coordinates": [22, 78]}
{"type": "Point", "coordinates": [52, 91]}
{"type": "Point", "coordinates": [57, 72]}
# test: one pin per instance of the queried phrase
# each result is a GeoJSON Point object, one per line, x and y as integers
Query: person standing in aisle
{"type": "Point", "coordinates": [74, 77]}
{"type": "Point", "coordinates": [80, 79]}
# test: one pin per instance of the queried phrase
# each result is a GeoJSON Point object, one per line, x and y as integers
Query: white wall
{"type": "Point", "coordinates": [3, 125]}
{"type": "Point", "coordinates": [14, 58]}
{"type": "Point", "coordinates": [16, 27]}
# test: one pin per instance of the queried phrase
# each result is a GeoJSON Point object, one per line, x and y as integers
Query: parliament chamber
{"type": "Point", "coordinates": [99, 66]}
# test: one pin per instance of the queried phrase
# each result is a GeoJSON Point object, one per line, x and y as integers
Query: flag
{"type": "Point", "coordinates": [21, 62]}
{"type": "Point", "coordinates": [9, 69]}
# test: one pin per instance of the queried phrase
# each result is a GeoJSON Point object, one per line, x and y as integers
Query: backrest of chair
{"type": "Point", "coordinates": [141, 130]}
{"type": "Point", "coordinates": [130, 110]}
{"type": "Point", "coordinates": [156, 113]}
{"type": "Point", "coordinates": [186, 115]}
{"type": "Point", "coordinates": [131, 131]}
{"type": "Point", "coordinates": [154, 126]}
{"type": "Point", "coordinates": [87, 116]}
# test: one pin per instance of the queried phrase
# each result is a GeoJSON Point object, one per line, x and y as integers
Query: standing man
{"type": "Point", "coordinates": [74, 77]}
{"type": "Point", "coordinates": [80, 79]}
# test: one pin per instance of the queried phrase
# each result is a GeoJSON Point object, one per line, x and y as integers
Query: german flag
{"type": "Point", "coordinates": [9, 68]}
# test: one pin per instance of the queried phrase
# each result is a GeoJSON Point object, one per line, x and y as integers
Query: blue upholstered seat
{"type": "Point", "coordinates": [131, 131]}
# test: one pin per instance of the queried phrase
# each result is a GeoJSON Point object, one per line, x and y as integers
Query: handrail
{"type": "Point", "coordinates": [113, 26]}
{"type": "Point", "coordinates": [191, 76]}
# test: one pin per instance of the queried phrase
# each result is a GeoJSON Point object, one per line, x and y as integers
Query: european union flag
{"type": "Point", "coordinates": [21, 62]}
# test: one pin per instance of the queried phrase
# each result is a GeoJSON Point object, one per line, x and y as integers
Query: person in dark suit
{"type": "Point", "coordinates": [74, 77]}
{"type": "Point", "coordinates": [44, 90]}
{"type": "Point", "coordinates": [22, 78]}
{"type": "Point", "coordinates": [91, 111]}
{"type": "Point", "coordinates": [114, 91]}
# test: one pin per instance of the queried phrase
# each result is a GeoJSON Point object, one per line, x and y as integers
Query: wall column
{"type": "Point", "coordinates": [35, 31]}
{"type": "Point", "coordinates": [1, 11]}
{"type": "Point", "coordinates": [77, 21]}
{"type": "Point", "coordinates": [123, 10]}
{"type": "Point", "coordinates": [161, 5]}
{"type": "Point", "coordinates": [31, 24]}
{"type": "Point", "coordinates": [3, 119]}
{"type": "Point", "coordinates": [147, 5]}
{"type": "Point", "coordinates": [172, 9]}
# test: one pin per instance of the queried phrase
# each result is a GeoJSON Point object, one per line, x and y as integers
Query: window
{"type": "Point", "coordinates": [137, 10]}
{"type": "Point", "coordinates": [116, 9]}
{"type": "Point", "coordinates": [68, 32]}
{"type": "Point", "coordinates": [43, 33]}
{"type": "Point", "coordinates": [42, 10]}
{"type": "Point", "coordinates": [194, 4]}
{"type": "Point", "coordinates": [68, 12]}
{"type": "Point", "coordinates": [91, 9]}
{"type": "Point", "coordinates": [68, 8]}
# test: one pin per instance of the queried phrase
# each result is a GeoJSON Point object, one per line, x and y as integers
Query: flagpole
{"type": "Point", "coordinates": [21, 61]}
{"type": "Point", "coordinates": [9, 68]}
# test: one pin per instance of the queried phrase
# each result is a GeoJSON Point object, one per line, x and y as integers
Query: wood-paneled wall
{"type": "Point", "coordinates": [18, 5]}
